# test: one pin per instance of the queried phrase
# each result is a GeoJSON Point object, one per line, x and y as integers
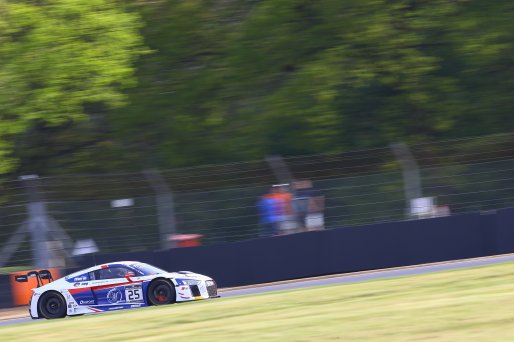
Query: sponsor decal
{"type": "Point", "coordinates": [87, 302]}
{"type": "Point", "coordinates": [81, 278]}
{"type": "Point", "coordinates": [76, 285]}
{"type": "Point", "coordinates": [184, 295]}
{"type": "Point", "coordinates": [114, 296]}
{"type": "Point", "coordinates": [115, 308]}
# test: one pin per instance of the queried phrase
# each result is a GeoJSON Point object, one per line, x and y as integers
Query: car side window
{"type": "Point", "coordinates": [112, 272]}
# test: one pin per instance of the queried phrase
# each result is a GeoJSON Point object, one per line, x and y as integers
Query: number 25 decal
{"type": "Point", "coordinates": [133, 294]}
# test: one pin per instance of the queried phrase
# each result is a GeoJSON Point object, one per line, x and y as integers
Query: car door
{"type": "Point", "coordinates": [114, 289]}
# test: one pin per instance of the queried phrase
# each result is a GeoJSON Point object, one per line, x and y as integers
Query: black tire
{"type": "Point", "coordinates": [52, 305]}
{"type": "Point", "coordinates": [161, 292]}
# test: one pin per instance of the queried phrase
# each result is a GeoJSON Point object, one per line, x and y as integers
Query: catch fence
{"type": "Point", "coordinates": [219, 201]}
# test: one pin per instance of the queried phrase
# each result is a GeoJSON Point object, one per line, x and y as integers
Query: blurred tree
{"type": "Point", "coordinates": [179, 113]}
{"type": "Point", "coordinates": [63, 63]}
{"type": "Point", "coordinates": [348, 74]}
{"type": "Point", "coordinates": [236, 79]}
{"type": "Point", "coordinates": [484, 62]}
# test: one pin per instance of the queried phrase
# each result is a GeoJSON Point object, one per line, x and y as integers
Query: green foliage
{"type": "Point", "coordinates": [238, 80]}
{"type": "Point", "coordinates": [59, 57]}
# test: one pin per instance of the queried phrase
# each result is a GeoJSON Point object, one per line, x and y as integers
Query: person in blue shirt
{"type": "Point", "coordinates": [270, 214]}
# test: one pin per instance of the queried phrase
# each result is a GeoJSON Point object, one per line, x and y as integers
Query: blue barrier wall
{"type": "Point", "coordinates": [504, 237]}
{"type": "Point", "coordinates": [341, 250]}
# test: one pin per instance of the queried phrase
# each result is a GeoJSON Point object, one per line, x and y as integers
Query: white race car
{"type": "Point", "coordinates": [114, 286]}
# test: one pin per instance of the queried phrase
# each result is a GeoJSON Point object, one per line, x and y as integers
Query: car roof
{"type": "Point", "coordinates": [116, 263]}
{"type": "Point", "coordinates": [106, 265]}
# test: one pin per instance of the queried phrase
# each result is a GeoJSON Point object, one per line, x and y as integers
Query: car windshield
{"type": "Point", "coordinates": [147, 269]}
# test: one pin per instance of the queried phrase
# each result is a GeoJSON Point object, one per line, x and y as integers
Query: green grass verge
{"type": "Point", "coordinates": [465, 305]}
{"type": "Point", "coordinates": [6, 270]}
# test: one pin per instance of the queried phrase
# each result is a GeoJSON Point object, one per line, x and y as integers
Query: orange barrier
{"type": "Point", "coordinates": [186, 240]}
{"type": "Point", "coordinates": [21, 292]}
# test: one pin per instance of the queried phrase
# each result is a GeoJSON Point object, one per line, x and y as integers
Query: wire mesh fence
{"type": "Point", "coordinates": [219, 201]}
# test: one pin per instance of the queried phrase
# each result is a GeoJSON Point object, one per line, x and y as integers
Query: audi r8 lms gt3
{"type": "Point", "coordinates": [114, 286]}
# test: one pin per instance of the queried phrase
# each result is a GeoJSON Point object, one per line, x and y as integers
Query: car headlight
{"type": "Point", "coordinates": [191, 282]}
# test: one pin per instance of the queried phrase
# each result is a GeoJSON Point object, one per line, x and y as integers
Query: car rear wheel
{"type": "Point", "coordinates": [161, 292]}
{"type": "Point", "coordinates": [52, 305]}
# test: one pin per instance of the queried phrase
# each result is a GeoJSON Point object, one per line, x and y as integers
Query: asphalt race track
{"type": "Point", "coordinates": [344, 279]}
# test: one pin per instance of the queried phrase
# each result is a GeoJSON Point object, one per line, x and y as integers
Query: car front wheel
{"type": "Point", "coordinates": [161, 292]}
{"type": "Point", "coordinates": [52, 305]}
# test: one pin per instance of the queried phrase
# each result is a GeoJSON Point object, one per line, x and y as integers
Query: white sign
{"type": "Point", "coordinates": [86, 246]}
{"type": "Point", "coordinates": [124, 202]}
{"type": "Point", "coordinates": [421, 206]}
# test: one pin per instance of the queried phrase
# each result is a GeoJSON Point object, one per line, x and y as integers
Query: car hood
{"type": "Point", "coordinates": [187, 275]}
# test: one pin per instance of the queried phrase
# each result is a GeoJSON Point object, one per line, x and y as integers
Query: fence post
{"type": "Point", "coordinates": [37, 223]}
{"type": "Point", "coordinates": [165, 207]}
{"type": "Point", "coordinates": [280, 169]}
{"type": "Point", "coordinates": [410, 171]}
{"type": "Point", "coordinates": [41, 230]}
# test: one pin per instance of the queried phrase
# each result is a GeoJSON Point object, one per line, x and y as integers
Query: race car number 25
{"type": "Point", "coordinates": [133, 294]}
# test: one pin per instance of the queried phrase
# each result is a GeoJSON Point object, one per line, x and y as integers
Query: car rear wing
{"type": "Point", "coordinates": [39, 275]}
